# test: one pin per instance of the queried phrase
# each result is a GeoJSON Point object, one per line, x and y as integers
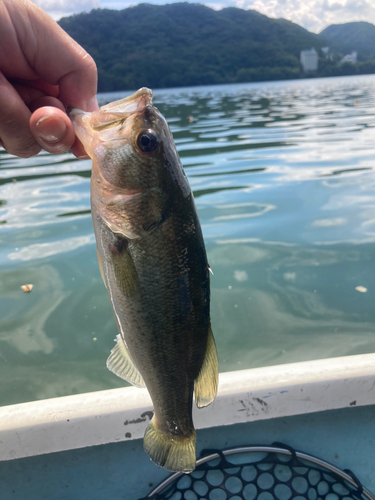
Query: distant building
{"type": "Point", "coordinates": [350, 58]}
{"type": "Point", "coordinates": [327, 53]}
{"type": "Point", "coordinates": [309, 60]}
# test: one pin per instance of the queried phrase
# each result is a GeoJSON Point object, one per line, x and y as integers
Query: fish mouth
{"type": "Point", "coordinates": [115, 111]}
{"type": "Point", "coordinates": [132, 104]}
{"type": "Point", "coordinates": [86, 124]}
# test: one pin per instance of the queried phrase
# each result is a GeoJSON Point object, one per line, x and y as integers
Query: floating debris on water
{"type": "Point", "coordinates": [290, 276]}
{"type": "Point", "coordinates": [240, 275]}
{"type": "Point", "coordinates": [27, 288]}
{"type": "Point", "coordinates": [190, 119]}
{"type": "Point", "coordinates": [361, 289]}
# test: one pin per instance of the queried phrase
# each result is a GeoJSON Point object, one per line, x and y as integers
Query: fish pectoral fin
{"type": "Point", "coordinates": [174, 453]}
{"type": "Point", "coordinates": [205, 385]}
{"type": "Point", "coordinates": [121, 364]}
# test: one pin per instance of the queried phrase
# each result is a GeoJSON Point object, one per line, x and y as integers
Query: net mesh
{"type": "Point", "coordinates": [261, 476]}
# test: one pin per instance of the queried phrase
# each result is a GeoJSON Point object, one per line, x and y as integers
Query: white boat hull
{"type": "Point", "coordinates": [91, 444]}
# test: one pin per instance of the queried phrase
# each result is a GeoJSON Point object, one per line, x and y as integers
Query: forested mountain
{"type": "Point", "coordinates": [188, 44]}
{"type": "Point", "coordinates": [358, 36]}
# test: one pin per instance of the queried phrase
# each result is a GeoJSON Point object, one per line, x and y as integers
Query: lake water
{"type": "Point", "coordinates": [283, 177]}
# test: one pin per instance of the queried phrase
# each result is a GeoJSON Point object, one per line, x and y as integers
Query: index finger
{"type": "Point", "coordinates": [54, 56]}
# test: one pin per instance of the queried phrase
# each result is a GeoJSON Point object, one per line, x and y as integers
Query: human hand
{"type": "Point", "coordinates": [42, 70]}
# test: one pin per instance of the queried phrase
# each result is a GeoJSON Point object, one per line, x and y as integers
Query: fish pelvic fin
{"type": "Point", "coordinates": [121, 364]}
{"type": "Point", "coordinates": [173, 453]}
{"type": "Point", "coordinates": [100, 262]}
{"type": "Point", "coordinates": [205, 385]}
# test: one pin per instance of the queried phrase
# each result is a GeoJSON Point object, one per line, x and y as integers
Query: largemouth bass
{"type": "Point", "coordinates": [153, 263]}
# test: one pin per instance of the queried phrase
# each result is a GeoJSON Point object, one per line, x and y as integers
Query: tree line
{"type": "Point", "coordinates": [187, 44]}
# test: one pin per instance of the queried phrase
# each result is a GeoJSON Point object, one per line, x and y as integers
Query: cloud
{"type": "Point", "coordinates": [216, 5]}
{"type": "Point", "coordinates": [316, 14]}
{"type": "Point", "coordinates": [60, 8]}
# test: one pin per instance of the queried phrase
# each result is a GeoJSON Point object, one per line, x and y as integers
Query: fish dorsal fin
{"type": "Point", "coordinates": [120, 363]}
{"type": "Point", "coordinates": [205, 385]}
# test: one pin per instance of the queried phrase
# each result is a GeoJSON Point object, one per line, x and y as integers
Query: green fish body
{"type": "Point", "coordinates": [154, 265]}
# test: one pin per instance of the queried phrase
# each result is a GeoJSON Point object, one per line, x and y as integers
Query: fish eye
{"type": "Point", "coordinates": [147, 141]}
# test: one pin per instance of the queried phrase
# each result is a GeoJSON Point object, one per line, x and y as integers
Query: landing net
{"type": "Point", "coordinates": [275, 472]}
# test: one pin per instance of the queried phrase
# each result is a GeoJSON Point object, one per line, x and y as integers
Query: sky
{"type": "Point", "coordinates": [314, 15]}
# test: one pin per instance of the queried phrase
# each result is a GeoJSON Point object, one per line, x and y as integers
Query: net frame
{"type": "Point", "coordinates": [299, 459]}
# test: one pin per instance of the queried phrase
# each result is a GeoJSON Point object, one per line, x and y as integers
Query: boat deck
{"type": "Point", "coordinates": [90, 446]}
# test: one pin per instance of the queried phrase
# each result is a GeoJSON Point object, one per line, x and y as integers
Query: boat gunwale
{"type": "Point", "coordinates": [115, 415]}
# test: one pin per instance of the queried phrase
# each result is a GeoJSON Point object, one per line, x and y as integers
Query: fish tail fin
{"type": "Point", "coordinates": [174, 453]}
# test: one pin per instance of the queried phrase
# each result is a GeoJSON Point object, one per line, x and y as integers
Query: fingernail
{"type": "Point", "coordinates": [92, 105]}
{"type": "Point", "coordinates": [50, 128]}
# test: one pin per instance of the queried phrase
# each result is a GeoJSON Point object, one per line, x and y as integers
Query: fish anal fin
{"type": "Point", "coordinates": [205, 385]}
{"type": "Point", "coordinates": [174, 453]}
{"type": "Point", "coordinates": [121, 364]}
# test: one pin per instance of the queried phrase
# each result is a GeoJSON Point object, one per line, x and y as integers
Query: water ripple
{"type": "Point", "coordinates": [284, 181]}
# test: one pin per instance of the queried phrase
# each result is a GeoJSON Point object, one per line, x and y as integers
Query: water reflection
{"type": "Point", "coordinates": [39, 201]}
{"type": "Point", "coordinates": [43, 250]}
{"type": "Point", "coordinates": [291, 302]}
{"type": "Point", "coordinates": [24, 321]}
{"type": "Point", "coordinates": [284, 183]}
